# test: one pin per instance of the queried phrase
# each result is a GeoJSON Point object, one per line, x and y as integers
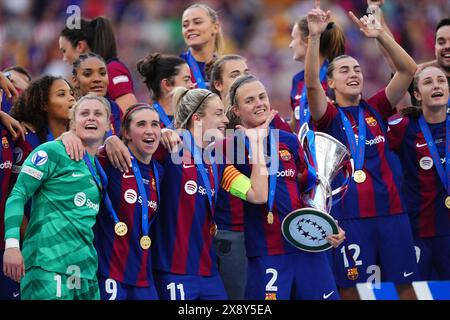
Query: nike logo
{"type": "Point", "coordinates": [76, 175]}
{"type": "Point", "coordinates": [15, 295]}
{"type": "Point", "coordinates": [187, 167]}
{"type": "Point", "coordinates": [326, 296]}
{"type": "Point", "coordinates": [418, 145]}
{"type": "Point", "coordinates": [407, 274]}
{"type": "Point", "coordinates": [125, 176]}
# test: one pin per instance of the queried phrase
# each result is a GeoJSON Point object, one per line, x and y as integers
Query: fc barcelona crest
{"type": "Point", "coordinates": [271, 296]}
{"type": "Point", "coordinates": [371, 121]}
{"type": "Point", "coordinates": [285, 155]}
{"type": "Point", "coordinates": [153, 184]}
{"type": "Point", "coordinates": [5, 143]}
{"type": "Point", "coordinates": [352, 273]}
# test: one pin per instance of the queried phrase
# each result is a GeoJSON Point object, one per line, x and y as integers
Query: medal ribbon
{"type": "Point", "coordinates": [104, 183]}
{"type": "Point", "coordinates": [50, 136]}
{"type": "Point", "coordinates": [196, 71]}
{"type": "Point", "coordinates": [163, 115]}
{"type": "Point", "coordinates": [198, 161]}
{"type": "Point", "coordinates": [444, 173]}
{"type": "Point", "coordinates": [140, 183]}
{"type": "Point", "coordinates": [356, 149]}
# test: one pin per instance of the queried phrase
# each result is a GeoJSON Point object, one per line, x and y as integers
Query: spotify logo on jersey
{"type": "Point", "coordinates": [80, 199]}
{"type": "Point", "coordinates": [190, 187]}
{"type": "Point", "coordinates": [426, 163]}
{"type": "Point", "coordinates": [130, 196]}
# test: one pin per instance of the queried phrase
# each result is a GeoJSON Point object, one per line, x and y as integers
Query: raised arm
{"type": "Point", "coordinates": [317, 99]}
{"type": "Point", "coordinates": [403, 63]}
{"type": "Point", "coordinates": [374, 8]}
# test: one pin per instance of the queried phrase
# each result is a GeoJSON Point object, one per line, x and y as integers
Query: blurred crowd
{"type": "Point", "coordinates": [256, 29]}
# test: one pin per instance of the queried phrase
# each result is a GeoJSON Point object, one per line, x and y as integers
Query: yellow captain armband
{"type": "Point", "coordinates": [240, 187]}
{"type": "Point", "coordinates": [235, 182]}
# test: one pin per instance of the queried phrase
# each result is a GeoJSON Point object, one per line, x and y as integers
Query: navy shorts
{"type": "Point", "coordinates": [433, 257]}
{"type": "Point", "coordinates": [296, 276]}
{"type": "Point", "coordinates": [111, 289]}
{"type": "Point", "coordinates": [172, 286]}
{"type": "Point", "coordinates": [376, 249]}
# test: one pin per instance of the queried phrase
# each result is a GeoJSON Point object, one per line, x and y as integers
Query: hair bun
{"type": "Point", "coordinates": [146, 66]}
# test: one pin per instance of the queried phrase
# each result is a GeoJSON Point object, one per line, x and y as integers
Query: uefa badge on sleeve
{"type": "Point", "coordinates": [39, 158]}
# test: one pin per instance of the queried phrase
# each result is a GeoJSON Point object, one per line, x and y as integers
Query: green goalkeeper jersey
{"type": "Point", "coordinates": [65, 202]}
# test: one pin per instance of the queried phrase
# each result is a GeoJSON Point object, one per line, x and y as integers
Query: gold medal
{"type": "Point", "coordinates": [447, 202]}
{"type": "Point", "coordinates": [270, 218]}
{"type": "Point", "coordinates": [213, 229]}
{"type": "Point", "coordinates": [359, 176]}
{"type": "Point", "coordinates": [145, 242]}
{"type": "Point", "coordinates": [120, 229]}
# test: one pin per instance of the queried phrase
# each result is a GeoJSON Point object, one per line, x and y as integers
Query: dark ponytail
{"type": "Point", "coordinates": [103, 41]}
{"type": "Point", "coordinates": [98, 34]}
{"type": "Point", "coordinates": [332, 40]}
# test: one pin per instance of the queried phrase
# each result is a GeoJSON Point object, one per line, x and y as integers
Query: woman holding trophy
{"type": "Point", "coordinates": [372, 213]}
{"type": "Point", "coordinates": [277, 269]}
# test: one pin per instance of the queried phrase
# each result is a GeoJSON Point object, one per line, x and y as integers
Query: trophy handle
{"type": "Point", "coordinates": [347, 169]}
{"type": "Point", "coordinates": [302, 133]}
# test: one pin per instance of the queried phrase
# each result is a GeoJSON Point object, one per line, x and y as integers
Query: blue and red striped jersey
{"type": "Point", "coordinates": [280, 123]}
{"type": "Point", "coordinates": [183, 242]}
{"type": "Point", "coordinates": [379, 195]}
{"type": "Point", "coordinates": [6, 103]}
{"type": "Point", "coordinates": [230, 209]}
{"type": "Point", "coordinates": [229, 213]}
{"type": "Point", "coordinates": [261, 238]}
{"type": "Point", "coordinates": [298, 84]}
{"type": "Point", "coordinates": [6, 163]}
{"type": "Point", "coordinates": [22, 150]}
{"type": "Point", "coordinates": [115, 118]}
{"type": "Point", "coordinates": [423, 190]}
{"type": "Point", "coordinates": [121, 257]}
{"type": "Point", "coordinates": [161, 151]}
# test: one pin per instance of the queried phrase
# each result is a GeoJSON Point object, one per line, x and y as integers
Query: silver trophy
{"type": "Point", "coordinates": [308, 227]}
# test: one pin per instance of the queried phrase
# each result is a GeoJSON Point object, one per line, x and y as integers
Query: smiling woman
{"type": "Point", "coordinates": [97, 35]}
{"type": "Point", "coordinates": [141, 133]}
{"type": "Point", "coordinates": [185, 268]}
{"type": "Point", "coordinates": [203, 34]}
{"type": "Point", "coordinates": [58, 244]}
{"type": "Point", "coordinates": [373, 204]}
{"type": "Point", "coordinates": [90, 74]}
{"type": "Point", "coordinates": [292, 272]}
{"type": "Point", "coordinates": [412, 137]}
{"type": "Point", "coordinates": [45, 105]}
